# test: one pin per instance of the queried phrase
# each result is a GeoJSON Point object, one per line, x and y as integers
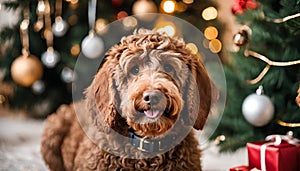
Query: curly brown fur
{"type": "Point", "coordinates": [143, 65]}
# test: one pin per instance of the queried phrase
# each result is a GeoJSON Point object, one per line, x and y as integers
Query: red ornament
{"type": "Point", "coordinates": [117, 3]}
{"type": "Point", "coordinates": [239, 6]}
{"type": "Point", "coordinates": [122, 14]}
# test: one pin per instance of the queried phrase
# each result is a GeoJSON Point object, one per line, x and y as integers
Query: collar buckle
{"type": "Point", "coordinates": [144, 144]}
{"type": "Point", "coordinates": [141, 144]}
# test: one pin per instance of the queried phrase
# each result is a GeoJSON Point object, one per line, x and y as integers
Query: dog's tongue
{"type": "Point", "coordinates": [152, 113]}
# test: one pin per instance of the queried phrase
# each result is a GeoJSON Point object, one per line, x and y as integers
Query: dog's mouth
{"type": "Point", "coordinates": [153, 113]}
{"type": "Point", "coordinates": [149, 114]}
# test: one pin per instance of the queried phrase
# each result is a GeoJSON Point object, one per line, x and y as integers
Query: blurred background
{"type": "Point", "coordinates": [256, 41]}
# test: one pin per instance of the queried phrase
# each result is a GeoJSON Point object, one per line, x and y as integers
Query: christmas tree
{"type": "Point", "coordinates": [267, 57]}
{"type": "Point", "coordinates": [49, 35]}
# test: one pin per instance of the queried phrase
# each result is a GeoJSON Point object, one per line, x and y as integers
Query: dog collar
{"type": "Point", "coordinates": [146, 144]}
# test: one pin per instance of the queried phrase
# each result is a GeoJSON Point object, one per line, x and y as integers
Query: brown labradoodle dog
{"type": "Point", "coordinates": [138, 113]}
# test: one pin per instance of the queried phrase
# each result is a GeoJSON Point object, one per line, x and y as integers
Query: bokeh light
{"type": "Point", "coordinates": [129, 22]}
{"type": "Point", "coordinates": [73, 19]}
{"type": "Point", "coordinates": [211, 33]}
{"type": "Point", "coordinates": [205, 43]}
{"type": "Point", "coordinates": [192, 47]}
{"type": "Point", "coordinates": [122, 14]}
{"type": "Point", "coordinates": [210, 13]}
{"type": "Point", "coordinates": [75, 50]}
{"type": "Point", "coordinates": [73, 1]}
{"type": "Point", "coordinates": [100, 26]}
{"type": "Point", "coordinates": [41, 7]}
{"type": "Point", "coordinates": [181, 7]}
{"type": "Point", "coordinates": [166, 27]}
{"type": "Point", "coordinates": [215, 45]}
{"type": "Point", "coordinates": [169, 30]}
{"type": "Point", "coordinates": [168, 6]}
{"type": "Point", "coordinates": [188, 1]}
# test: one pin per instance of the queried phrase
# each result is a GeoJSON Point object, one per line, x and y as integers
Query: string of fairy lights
{"type": "Point", "coordinates": [210, 13]}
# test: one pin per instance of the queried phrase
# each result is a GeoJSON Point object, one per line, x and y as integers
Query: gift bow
{"type": "Point", "coordinates": [274, 140]}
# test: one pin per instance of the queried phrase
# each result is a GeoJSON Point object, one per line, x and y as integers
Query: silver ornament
{"type": "Point", "coordinates": [67, 75]}
{"type": "Point", "coordinates": [59, 27]}
{"type": "Point", "coordinates": [38, 87]}
{"type": "Point", "coordinates": [258, 109]}
{"type": "Point", "coordinates": [50, 58]}
{"type": "Point", "coordinates": [92, 46]}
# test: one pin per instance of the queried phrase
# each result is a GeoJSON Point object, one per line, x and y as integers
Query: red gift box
{"type": "Point", "coordinates": [280, 157]}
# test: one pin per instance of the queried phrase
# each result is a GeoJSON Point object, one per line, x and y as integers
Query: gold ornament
{"type": "Point", "coordinates": [143, 7]}
{"type": "Point", "coordinates": [25, 70]}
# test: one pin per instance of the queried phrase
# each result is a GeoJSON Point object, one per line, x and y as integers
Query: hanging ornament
{"type": "Point", "coordinates": [38, 87]}
{"type": "Point", "coordinates": [67, 75]}
{"type": "Point", "coordinates": [27, 68]}
{"type": "Point", "coordinates": [258, 109]}
{"type": "Point", "coordinates": [60, 26]}
{"type": "Point", "coordinates": [298, 97]}
{"type": "Point", "coordinates": [144, 7]}
{"type": "Point", "coordinates": [117, 3]}
{"type": "Point", "coordinates": [40, 10]}
{"type": "Point", "coordinates": [92, 45]}
{"type": "Point", "coordinates": [50, 58]}
{"type": "Point", "coordinates": [242, 37]}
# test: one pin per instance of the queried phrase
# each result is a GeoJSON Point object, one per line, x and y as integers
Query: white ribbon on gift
{"type": "Point", "coordinates": [274, 140]}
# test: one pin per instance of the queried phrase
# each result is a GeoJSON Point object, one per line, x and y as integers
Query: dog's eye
{"type": "Point", "coordinates": [135, 70]}
{"type": "Point", "coordinates": [168, 68]}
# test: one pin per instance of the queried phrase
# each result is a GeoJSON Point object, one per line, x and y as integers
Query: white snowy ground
{"type": "Point", "coordinates": [20, 145]}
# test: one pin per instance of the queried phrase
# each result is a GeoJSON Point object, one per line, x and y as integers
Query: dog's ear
{"type": "Point", "coordinates": [202, 93]}
{"type": "Point", "coordinates": [102, 98]}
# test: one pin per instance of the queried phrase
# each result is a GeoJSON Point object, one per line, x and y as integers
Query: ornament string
{"type": "Point", "coordinates": [40, 10]}
{"type": "Point", "coordinates": [58, 8]}
{"type": "Point", "coordinates": [92, 45]}
{"type": "Point", "coordinates": [24, 32]}
{"type": "Point", "coordinates": [282, 20]}
{"type": "Point", "coordinates": [59, 27]}
{"type": "Point", "coordinates": [92, 13]}
{"type": "Point", "coordinates": [48, 35]}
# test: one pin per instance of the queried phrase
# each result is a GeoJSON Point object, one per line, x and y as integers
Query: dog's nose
{"type": "Point", "coordinates": [152, 96]}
